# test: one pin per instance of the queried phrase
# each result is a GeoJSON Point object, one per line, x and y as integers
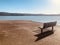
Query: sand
{"type": "Point", "coordinates": [21, 32]}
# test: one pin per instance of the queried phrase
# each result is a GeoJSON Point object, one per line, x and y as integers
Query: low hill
{"type": "Point", "coordinates": [25, 14]}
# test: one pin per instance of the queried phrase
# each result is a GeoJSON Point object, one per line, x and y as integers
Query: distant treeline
{"type": "Point", "coordinates": [25, 14]}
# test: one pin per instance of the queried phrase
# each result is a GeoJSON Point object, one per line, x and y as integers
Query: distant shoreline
{"type": "Point", "coordinates": [25, 14]}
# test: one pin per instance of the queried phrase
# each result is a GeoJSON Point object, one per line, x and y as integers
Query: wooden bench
{"type": "Point", "coordinates": [48, 24]}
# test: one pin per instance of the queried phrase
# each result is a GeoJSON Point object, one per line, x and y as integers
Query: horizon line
{"type": "Point", "coordinates": [28, 13]}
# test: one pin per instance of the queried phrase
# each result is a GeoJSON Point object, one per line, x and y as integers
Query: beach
{"type": "Point", "coordinates": [21, 32]}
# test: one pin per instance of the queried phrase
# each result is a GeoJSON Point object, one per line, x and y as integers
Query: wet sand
{"type": "Point", "coordinates": [20, 32]}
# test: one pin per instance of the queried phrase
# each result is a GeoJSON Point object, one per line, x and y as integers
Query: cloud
{"type": "Point", "coordinates": [53, 8]}
{"type": "Point", "coordinates": [56, 2]}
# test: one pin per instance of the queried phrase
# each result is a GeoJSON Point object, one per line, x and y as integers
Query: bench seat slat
{"type": "Point", "coordinates": [48, 24]}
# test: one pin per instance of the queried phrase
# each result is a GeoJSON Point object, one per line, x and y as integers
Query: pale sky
{"type": "Point", "coordinates": [30, 6]}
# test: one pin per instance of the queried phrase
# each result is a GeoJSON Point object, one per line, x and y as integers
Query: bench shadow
{"type": "Point", "coordinates": [43, 35]}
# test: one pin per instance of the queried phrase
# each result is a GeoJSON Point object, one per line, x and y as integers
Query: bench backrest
{"type": "Point", "coordinates": [49, 24]}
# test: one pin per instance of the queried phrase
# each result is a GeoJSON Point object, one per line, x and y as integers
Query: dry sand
{"type": "Point", "coordinates": [19, 32]}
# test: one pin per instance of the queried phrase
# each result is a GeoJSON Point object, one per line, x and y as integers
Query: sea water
{"type": "Point", "coordinates": [33, 18]}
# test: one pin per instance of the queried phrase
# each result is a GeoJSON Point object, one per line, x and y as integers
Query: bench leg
{"type": "Point", "coordinates": [41, 30]}
{"type": "Point", "coordinates": [52, 28]}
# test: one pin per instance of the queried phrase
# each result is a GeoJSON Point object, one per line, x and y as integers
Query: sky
{"type": "Point", "coordinates": [30, 6]}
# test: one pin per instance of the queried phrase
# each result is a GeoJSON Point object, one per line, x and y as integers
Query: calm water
{"type": "Point", "coordinates": [33, 18]}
